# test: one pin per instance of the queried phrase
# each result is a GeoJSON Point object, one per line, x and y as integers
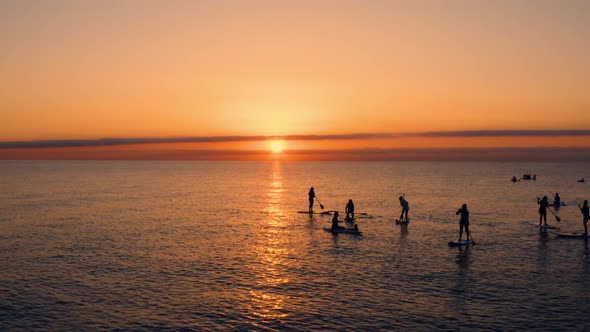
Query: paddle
{"type": "Point", "coordinates": [556, 217]}
{"type": "Point", "coordinates": [321, 206]}
{"type": "Point", "coordinates": [471, 236]}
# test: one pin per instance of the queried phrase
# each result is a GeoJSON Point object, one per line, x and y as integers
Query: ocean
{"type": "Point", "coordinates": [219, 246]}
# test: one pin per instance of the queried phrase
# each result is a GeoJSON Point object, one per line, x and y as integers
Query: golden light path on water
{"type": "Point", "coordinates": [271, 251]}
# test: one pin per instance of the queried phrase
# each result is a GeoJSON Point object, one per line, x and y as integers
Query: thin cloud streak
{"type": "Point", "coordinates": [500, 133]}
{"type": "Point", "coordinates": [197, 139]}
{"type": "Point", "coordinates": [222, 139]}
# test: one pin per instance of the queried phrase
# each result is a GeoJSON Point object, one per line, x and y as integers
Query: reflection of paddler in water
{"type": "Point", "coordinates": [543, 204]}
{"type": "Point", "coordinates": [349, 209]}
{"type": "Point", "coordinates": [463, 221]}
{"type": "Point", "coordinates": [463, 257]}
{"type": "Point", "coordinates": [311, 195]}
{"type": "Point", "coordinates": [335, 226]}
{"type": "Point", "coordinates": [585, 216]}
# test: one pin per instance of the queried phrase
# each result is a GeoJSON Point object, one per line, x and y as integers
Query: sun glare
{"type": "Point", "coordinates": [277, 146]}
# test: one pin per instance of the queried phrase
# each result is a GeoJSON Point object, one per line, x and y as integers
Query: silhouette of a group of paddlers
{"type": "Point", "coordinates": [543, 203]}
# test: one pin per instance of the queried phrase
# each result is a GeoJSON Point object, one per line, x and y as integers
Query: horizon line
{"type": "Point", "coordinates": [573, 154]}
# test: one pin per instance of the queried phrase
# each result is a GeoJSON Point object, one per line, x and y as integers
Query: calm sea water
{"type": "Point", "coordinates": [212, 246]}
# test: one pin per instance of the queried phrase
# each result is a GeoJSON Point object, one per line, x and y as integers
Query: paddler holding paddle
{"type": "Point", "coordinates": [543, 204]}
{"type": "Point", "coordinates": [311, 195]}
{"type": "Point", "coordinates": [464, 222]}
{"type": "Point", "coordinates": [586, 216]}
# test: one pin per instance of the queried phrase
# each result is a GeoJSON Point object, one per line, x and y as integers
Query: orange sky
{"type": "Point", "coordinates": [74, 70]}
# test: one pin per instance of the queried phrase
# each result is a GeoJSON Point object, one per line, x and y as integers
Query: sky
{"type": "Point", "coordinates": [323, 79]}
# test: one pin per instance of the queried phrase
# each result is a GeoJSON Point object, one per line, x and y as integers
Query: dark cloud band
{"type": "Point", "coordinates": [222, 139]}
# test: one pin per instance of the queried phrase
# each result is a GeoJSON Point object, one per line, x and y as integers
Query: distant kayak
{"type": "Point", "coordinates": [574, 235]}
{"type": "Point", "coordinates": [343, 231]}
{"type": "Point", "coordinates": [461, 243]}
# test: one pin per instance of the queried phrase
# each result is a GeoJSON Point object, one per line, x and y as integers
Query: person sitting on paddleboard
{"type": "Point", "coordinates": [586, 216]}
{"type": "Point", "coordinates": [581, 180]}
{"type": "Point", "coordinates": [311, 195]}
{"type": "Point", "coordinates": [463, 221]}
{"type": "Point", "coordinates": [543, 204]}
{"type": "Point", "coordinates": [405, 208]}
{"type": "Point", "coordinates": [335, 222]}
{"type": "Point", "coordinates": [349, 209]}
{"type": "Point", "coordinates": [557, 200]}
{"type": "Point", "coordinates": [514, 179]}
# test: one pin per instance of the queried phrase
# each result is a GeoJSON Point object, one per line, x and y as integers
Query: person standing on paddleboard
{"type": "Point", "coordinates": [586, 216]}
{"type": "Point", "coordinates": [543, 204]}
{"type": "Point", "coordinates": [349, 209]}
{"type": "Point", "coordinates": [405, 208]}
{"type": "Point", "coordinates": [463, 221]}
{"type": "Point", "coordinates": [311, 195]}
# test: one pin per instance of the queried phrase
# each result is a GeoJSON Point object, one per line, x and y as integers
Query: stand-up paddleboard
{"type": "Point", "coordinates": [343, 231]}
{"type": "Point", "coordinates": [574, 235]}
{"type": "Point", "coordinates": [556, 206]}
{"type": "Point", "coordinates": [402, 222]}
{"type": "Point", "coordinates": [461, 243]}
{"type": "Point", "coordinates": [544, 226]}
{"type": "Point", "coordinates": [307, 212]}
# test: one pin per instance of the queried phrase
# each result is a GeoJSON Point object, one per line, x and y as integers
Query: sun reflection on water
{"type": "Point", "coordinates": [266, 301]}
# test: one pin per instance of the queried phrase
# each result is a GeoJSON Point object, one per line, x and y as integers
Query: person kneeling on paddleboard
{"type": "Point", "coordinates": [463, 221]}
{"type": "Point", "coordinates": [335, 226]}
{"type": "Point", "coordinates": [586, 216]}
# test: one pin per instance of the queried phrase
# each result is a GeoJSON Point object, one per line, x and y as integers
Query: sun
{"type": "Point", "coordinates": [276, 146]}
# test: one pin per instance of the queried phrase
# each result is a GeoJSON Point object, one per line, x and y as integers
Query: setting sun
{"type": "Point", "coordinates": [277, 146]}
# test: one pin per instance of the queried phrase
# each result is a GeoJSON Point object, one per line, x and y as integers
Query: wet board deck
{"type": "Point", "coordinates": [357, 218]}
{"type": "Point", "coordinates": [462, 243]}
{"type": "Point", "coordinates": [307, 212]}
{"type": "Point", "coordinates": [573, 235]}
{"type": "Point", "coordinates": [343, 231]}
{"type": "Point", "coordinates": [544, 226]}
